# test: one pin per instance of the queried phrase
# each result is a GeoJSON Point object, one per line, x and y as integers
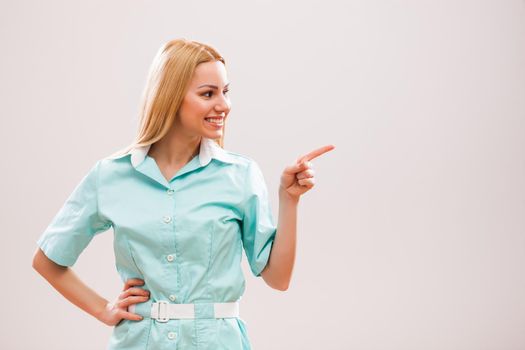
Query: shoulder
{"type": "Point", "coordinates": [112, 166]}
{"type": "Point", "coordinates": [253, 175]}
{"type": "Point", "coordinates": [115, 162]}
{"type": "Point", "coordinates": [247, 164]}
{"type": "Point", "coordinates": [238, 158]}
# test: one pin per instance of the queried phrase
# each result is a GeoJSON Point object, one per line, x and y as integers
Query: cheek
{"type": "Point", "coordinates": [193, 110]}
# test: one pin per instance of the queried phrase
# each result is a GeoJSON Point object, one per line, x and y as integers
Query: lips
{"type": "Point", "coordinates": [217, 124]}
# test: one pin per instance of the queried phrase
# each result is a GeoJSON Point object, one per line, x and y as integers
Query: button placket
{"type": "Point", "coordinates": [170, 258]}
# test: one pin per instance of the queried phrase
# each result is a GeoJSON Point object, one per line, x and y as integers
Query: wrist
{"type": "Point", "coordinates": [287, 197]}
{"type": "Point", "coordinates": [100, 310]}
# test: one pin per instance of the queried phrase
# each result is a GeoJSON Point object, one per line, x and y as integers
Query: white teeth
{"type": "Point", "coordinates": [214, 120]}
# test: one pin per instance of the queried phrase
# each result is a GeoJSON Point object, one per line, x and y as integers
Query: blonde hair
{"type": "Point", "coordinates": [168, 79]}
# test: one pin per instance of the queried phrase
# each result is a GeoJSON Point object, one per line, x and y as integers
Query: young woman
{"type": "Point", "coordinates": [182, 209]}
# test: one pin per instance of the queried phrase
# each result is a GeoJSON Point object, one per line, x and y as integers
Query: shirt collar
{"type": "Point", "coordinates": [208, 149]}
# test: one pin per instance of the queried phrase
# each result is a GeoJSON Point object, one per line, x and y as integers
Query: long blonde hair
{"type": "Point", "coordinates": [168, 79]}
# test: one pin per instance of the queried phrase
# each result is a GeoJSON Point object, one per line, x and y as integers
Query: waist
{"type": "Point", "coordinates": [163, 311]}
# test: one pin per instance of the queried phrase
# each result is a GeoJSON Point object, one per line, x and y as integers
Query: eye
{"type": "Point", "coordinates": [211, 92]}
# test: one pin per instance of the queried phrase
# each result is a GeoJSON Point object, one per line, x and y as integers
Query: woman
{"type": "Point", "coordinates": [182, 209]}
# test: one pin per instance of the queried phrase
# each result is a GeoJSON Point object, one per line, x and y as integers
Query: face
{"type": "Point", "coordinates": [206, 103]}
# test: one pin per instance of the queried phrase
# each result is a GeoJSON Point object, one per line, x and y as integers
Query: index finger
{"type": "Point", "coordinates": [316, 153]}
{"type": "Point", "coordinates": [132, 282]}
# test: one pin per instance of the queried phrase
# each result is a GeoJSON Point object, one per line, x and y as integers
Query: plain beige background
{"type": "Point", "coordinates": [414, 235]}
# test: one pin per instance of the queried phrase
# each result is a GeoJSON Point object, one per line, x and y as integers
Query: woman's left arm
{"type": "Point", "coordinates": [295, 181]}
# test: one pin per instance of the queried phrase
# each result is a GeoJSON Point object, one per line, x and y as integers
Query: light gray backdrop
{"type": "Point", "coordinates": [412, 238]}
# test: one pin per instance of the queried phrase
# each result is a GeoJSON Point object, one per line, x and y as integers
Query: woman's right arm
{"type": "Point", "coordinates": [67, 283]}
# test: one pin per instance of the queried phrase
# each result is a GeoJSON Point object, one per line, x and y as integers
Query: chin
{"type": "Point", "coordinates": [213, 135]}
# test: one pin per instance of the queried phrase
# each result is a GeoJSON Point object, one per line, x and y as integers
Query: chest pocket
{"type": "Point", "coordinates": [211, 242]}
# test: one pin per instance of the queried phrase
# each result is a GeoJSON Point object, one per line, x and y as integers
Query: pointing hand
{"type": "Point", "coordinates": [299, 177]}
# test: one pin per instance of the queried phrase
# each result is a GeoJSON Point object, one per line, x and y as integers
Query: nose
{"type": "Point", "coordinates": [223, 105]}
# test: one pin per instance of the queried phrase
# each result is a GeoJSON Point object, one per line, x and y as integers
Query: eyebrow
{"type": "Point", "coordinates": [212, 86]}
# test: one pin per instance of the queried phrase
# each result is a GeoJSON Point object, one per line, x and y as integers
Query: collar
{"type": "Point", "coordinates": [208, 149]}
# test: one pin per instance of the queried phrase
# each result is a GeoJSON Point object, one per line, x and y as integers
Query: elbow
{"type": "Point", "coordinates": [35, 263]}
{"type": "Point", "coordinates": [42, 264]}
{"type": "Point", "coordinates": [279, 283]}
{"type": "Point", "coordinates": [283, 287]}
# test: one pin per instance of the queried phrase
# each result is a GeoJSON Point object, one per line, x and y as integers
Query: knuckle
{"type": "Point", "coordinates": [140, 291]}
{"type": "Point", "coordinates": [134, 281]}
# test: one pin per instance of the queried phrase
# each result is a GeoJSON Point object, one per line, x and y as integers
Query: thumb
{"type": "Point", "coordinates": [299, 166]}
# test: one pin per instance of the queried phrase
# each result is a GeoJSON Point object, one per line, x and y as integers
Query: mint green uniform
{"type": "Point", "coordinates": [184, 237]}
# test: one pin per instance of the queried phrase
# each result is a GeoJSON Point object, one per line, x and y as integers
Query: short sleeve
{"type": "Point", "coordinates": [258, 225]}
{"type": "Point", "coordinates": [75, 224]}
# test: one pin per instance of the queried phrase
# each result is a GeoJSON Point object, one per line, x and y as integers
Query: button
{"type": "Point", "coordinates": [170, 191]}
{"type": "Point", "coordinates": [172, 297]}
{"type": "Point", "coordinates": [170, 257]}
{"type": "Point", "coordinates": [172, 335]}
{"type": "Point", "coordinates": [167, 219]}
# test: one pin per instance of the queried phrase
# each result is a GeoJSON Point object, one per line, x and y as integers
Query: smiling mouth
{"type": "Point", "coordinates": [215, 121]}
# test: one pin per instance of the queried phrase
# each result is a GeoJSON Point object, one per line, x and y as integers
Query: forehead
{"type": "Point", "coordinates": [209, 73]}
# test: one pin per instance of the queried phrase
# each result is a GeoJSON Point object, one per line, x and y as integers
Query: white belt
{"type": "Point", "coordinates": [162, 310]}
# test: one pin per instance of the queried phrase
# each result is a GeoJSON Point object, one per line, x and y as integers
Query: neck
{"type": "Point", "coordinates": [175, 149]}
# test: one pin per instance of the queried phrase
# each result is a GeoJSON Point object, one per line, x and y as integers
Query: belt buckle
{"type": "Point", "coordinates": [162, 316]}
